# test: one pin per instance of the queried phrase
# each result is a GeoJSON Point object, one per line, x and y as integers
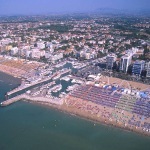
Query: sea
{"type": "Point", "coordinates": [28, 126]}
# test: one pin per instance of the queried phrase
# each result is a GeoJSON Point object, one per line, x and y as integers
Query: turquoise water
{"type": "Point", "coordinates": [25, 126]}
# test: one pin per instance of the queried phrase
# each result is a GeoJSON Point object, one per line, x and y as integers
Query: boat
{"type": "Point", "coordinates": [36, 93]}
{"type": "Point", "coordinates": [70, 88]}
{"type": "Point", "coordinates": [60, 65]}
{"type": "Point", "coordinates": [63, 93]}
{"type": "Point", "coordinates": [57, 77]}
{"type": "Point", "coordinates": [76, 81]}
{"type": "Point", "coordinates": [50, 84]}
{"type": "Point", "coordinates": [73, 81]}
{"type": "Point", "coordinates": [56, 88]}
{"type": "Point", "coordinates": [49, 96]}
{"type": "Point", "coordinates": [47, 85]}
{"type": "Point", "coordinates": [65, 78]}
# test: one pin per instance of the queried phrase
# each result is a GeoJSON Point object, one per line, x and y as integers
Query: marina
{"type": "Point", "coordinates": [29, 85]}
{"type": "Point", "coordinates": [39, 80]}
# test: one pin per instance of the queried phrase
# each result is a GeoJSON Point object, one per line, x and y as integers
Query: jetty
{"type": "Point", "coordinates": [12, 100]}
{"type": "Point", "coordinates": [56, 101]}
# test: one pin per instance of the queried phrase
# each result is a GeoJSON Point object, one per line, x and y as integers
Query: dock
{"type": "Point", "coordinates": [28, 86]}
{"type": "Point", "coordinates": [33, 84]}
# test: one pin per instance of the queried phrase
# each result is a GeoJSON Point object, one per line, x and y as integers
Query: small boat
{"type": "Point", "coordinates": [65, 79]}
{"type": "Point", "coordinates": [56, 77]}
{"type": "Point", "coordinates": [56, 88]}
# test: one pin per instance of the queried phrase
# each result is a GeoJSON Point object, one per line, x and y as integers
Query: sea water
{"type": "Point", "coordinates": [26, 126]}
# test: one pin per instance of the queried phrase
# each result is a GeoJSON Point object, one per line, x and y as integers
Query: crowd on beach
{"type": "Point", "coordinates": [119, 114]}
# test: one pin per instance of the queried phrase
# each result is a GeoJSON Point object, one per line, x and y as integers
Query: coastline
{"type": "Point", "coordinates": [88, 117]}
{"type": "Point", "coordinates": [11, 71]}
{"type": "Point", "coordinates": [81, 113]}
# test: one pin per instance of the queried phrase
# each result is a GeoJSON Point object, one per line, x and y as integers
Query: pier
{"type": "Point", "coordinates": [56, 101]}
{"type": "Point", "coordinates": [12, 100]}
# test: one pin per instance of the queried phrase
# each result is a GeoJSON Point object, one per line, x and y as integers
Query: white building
{"type": "Point", "coordinates": [50, 47]}
{"type": "Point", "coordinates": [132, 51]}
{"type": "Point", "coordinates": [82, 53]}
{"type": "Point", "coordinates": [24, 50]}
{"type": "Point", "coordinates": [28, 53]}
{"type": "Point", "coordinates": [101, 42]}
{"type": "Point", "coordinates": [125, 62]}
{"type": "Point", "coordinates": [40, 45]}
{"type": "Point", "coordinates": [36, 53]}
{"type": "Point", "coordinates": [14, 51]}
{"type": "Point", "coordinates": [88, 54]}
{"type": "Point", "coordinates": [47, 54]}
{"type": "Point", "coordinates": [42, 53]}
{"type": "Point", "coordinates": [57, 57]}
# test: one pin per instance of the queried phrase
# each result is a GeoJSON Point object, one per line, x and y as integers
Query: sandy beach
{"type": "Point", "coordinates": [17, 68]}
{"type": "Point", "coordinates": [124, 83]}
{"type": "Point", "coordinates": [84, 114]}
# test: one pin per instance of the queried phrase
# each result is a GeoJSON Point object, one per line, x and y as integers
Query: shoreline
{"type": "Point", "coordinates": [83, 114]}
{"type": "Point", "coordinates": [88, 118]}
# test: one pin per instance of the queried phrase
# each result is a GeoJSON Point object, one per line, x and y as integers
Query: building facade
{"type": "Point", "coordinates": [111, 58]}
{"type": "Point", "coordinates": [138, 66]}
{"type": "Point", "coordinates": [148, 69]}
{"type": "Point", "coordinates": [125, 62]}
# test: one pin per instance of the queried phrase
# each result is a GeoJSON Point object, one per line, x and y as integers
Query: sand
{"type": "Point", "coordinates": [124, 83]}
{"type": "Point", "coordinates": [17, 68]}
{"type": "Point", "coordinates": [97, 113]}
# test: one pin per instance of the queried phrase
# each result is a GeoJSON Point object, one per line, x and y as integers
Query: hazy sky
{"type": "Point", "coordinates": [47, 6]}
